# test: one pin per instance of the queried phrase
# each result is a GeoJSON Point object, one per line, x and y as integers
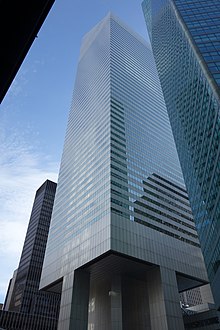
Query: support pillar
{"type": "Point", "coordinates": [164, 302]}
{"type": "Point", "coordinates": [116, 303]}
{"type": "Point", "coordinates": [74, 302]}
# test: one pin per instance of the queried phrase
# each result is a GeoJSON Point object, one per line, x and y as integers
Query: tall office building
{"type": "Point", "coordinates": [23, 297]}
{"type": "Point", "coordinates": [185, 37]}
{"type": "Point", "coordinates": [122, 242]}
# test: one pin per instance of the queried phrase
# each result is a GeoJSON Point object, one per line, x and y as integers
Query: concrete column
{"type": "Point", "coordinates": [116, 303]}
{"type": "Point", "coordinates": [74, 302]}
{"type": "Point", "coordinates": [135, 304]}
{"type": "Point", "coordinates": [164, 305]}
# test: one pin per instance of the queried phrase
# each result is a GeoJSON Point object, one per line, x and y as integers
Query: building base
{"type": "Point", "coordinates": [119, 293]}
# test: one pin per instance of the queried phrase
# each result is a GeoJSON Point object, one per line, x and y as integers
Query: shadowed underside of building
{"type": "Point", "coordinates": [20, 23]}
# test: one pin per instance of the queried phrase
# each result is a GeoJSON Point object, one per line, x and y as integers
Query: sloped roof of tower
{"type": "Point", "coordinates": [91, 35]}
{"type": "Point", "coordinates": [129, 29]}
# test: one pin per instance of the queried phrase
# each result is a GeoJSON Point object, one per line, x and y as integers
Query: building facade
{"type": "Point", "coordinates": [21, 321]}
{"type": "Point", "coordinates": [10, 291]}
{"type": "Point", "coordinates": [23, 296]}
{"type": "Point", "coordinates": [122, 242]}
{"type": "Point", "coordinates": [185, 37]}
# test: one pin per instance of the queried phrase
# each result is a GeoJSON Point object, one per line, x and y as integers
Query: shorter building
{"type": "Point", "coordinates": [209, 319]}
{"type": "Point", "coordinates": [191, 297]}
{"type": "Point", "coordinates": [197, 296]}
{"type": "Point", "coordinates": [25, 306]}
{"type": "Point", "coordinates": [14, 321]}
{"type": "Point", "coordinates": [10, 291]}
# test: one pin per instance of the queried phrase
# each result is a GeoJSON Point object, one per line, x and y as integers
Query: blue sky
{"type": "Point", "coordinates": [34, 113]}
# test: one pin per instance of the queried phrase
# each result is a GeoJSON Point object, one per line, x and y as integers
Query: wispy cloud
{"type": "Point", "coordinates": [18, 83]}
{"type": "Point", "coordinates": [22, 171]}
{"type": "Point", "coordinates": [22, 84]}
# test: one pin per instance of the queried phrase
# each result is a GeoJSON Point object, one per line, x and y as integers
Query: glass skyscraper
{"type": "Point", "coordinates": [122, 242]}
{"type": "Point", "coordinates": [185, 37]}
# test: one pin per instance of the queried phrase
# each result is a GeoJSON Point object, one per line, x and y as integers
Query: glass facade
{"type": "Point", "coordinates": [120, 187]}
{"type": "Point", "coordinates": [185, 37]}
{"type": "Point", "coordinates": [202, 20]}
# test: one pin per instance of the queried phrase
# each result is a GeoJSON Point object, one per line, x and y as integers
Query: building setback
{"type": "Point", "coordinates": [23, 297]}
{"type": "Point", "coordinates": [122, 242]}
{"type": "Point", "coordinates": [185, 37]}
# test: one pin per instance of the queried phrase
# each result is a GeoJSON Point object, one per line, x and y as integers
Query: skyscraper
{"type": "Point", "coordinates": [185, 37]}
{"type": "Point", "coordinates": [122, 242]}
{"type": "Point", "coordinates": [25, 297]}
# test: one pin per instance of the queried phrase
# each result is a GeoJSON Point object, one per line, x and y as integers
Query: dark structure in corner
{"type": "Point", "coordinates": [20, 22]}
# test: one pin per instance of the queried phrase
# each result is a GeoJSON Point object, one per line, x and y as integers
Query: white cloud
{"type": "Point", "coordinates": [18, 85]}
{"type": "Point", "coordinates": [22, 171]}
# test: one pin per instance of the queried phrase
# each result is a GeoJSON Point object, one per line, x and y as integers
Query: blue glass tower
{"type": "Point", "coordinates": [185, 37]}
{"type": "Point", "coordinates": [122, 242]}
